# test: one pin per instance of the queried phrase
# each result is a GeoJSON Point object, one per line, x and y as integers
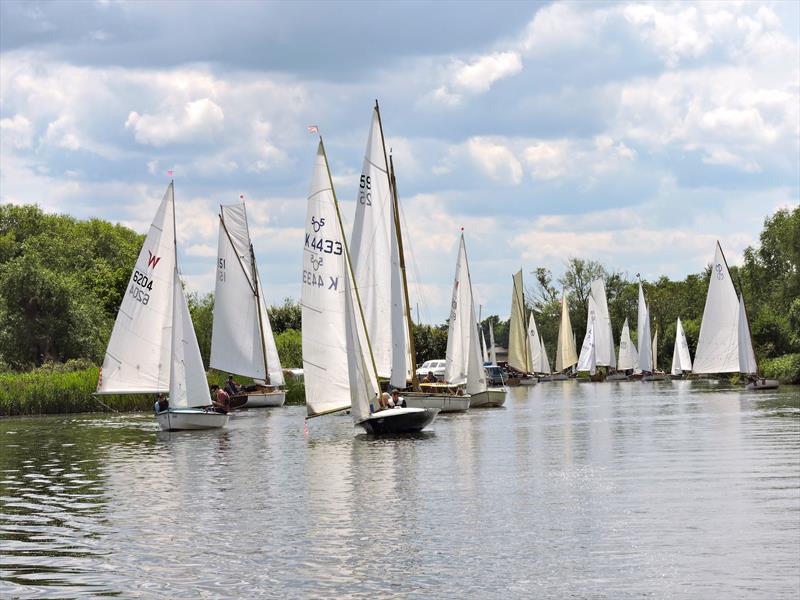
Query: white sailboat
{"type": "Point", "coordinates": [603, 333]}
{"type": "Point", "coordinates": [241, 335]}
{"type": "Point", "coordinates": [725, 344]}
{"type": "Point", "coordinates": [643, 335]}
{"type": "Point", "coordinates": [656, 375]}
{"type": "Point", "coordinates": [566, 356]}
{"type": "Point", "coordinates": [628, 356]}
{"type": "Point", "coordinates": [587, 360]}
{"type": "Point", "coordinates": [339, 372]}
{"type": "Point", "coordinates": [463, 365]}
{"type": "Point", "coordinates": [681, 358]}
{"type": "Point", "coordinates": [153, 348]}
{"type": "Point", "coordinates": [379, 267]}
{"type": "Point", "coordinates": [519, 351]}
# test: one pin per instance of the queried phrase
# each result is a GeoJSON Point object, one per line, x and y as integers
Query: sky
{"type": "Point", "coordinates": [633, 134]}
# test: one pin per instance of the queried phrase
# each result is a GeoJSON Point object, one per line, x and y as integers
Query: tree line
{"type": "Point", "coordinates": [62, 281]}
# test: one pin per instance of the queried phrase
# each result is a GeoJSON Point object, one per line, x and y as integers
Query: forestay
{"type": "Point", "coordinates": [718, 344]}
{"type": "Point", "coordinates": [603, 332]}
{"type": "Point", "coordinates": [325, 364]}
{"type": "Point", "coordinates": [643, 334]}
{"type": "Point", "coordinates": [518, 354]}
{"type": "Point", "coordinates": [681, 359]}
{"type": "Point", "coordinates": [138, 356]}
{"type": "Point", "coordinates": [188, 386]}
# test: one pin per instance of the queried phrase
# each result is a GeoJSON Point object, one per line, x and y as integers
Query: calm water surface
{"type": "Point", "coordinates": [614, 490]}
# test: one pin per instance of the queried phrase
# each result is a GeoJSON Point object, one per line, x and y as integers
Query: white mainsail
{"type": "Point", "coordinates": [492, 350]}
{"type": "Point", "coordinates": [463, 364]}
{"type": "Point", "coordinates": [325, 364]}
{"type": "Point", "coordinates": [588, 360]}
{"type": "Point", "coordinates": [643, 334]}
{"type": "Point", "coordinates": [681, 359]}
{"type": "Point", "coordinates": [484, 351]}
{"type": "Point", "coordinates": [628, 357]}
{"type": "Point", "coordinates": [603, 332]}
{"type": "Point", "coordinates": [534, 345]}
{"type": "Point", "coordinates": [718, 343]}
{"type": "Point", "coordinates": [655, 350]}
{"type": "Point", "coordinates": [518, 351]}
{"type": "Point", "coordinates": [376, 262]}
{"type": "Point", "coordinates": [188, 386]}
{"type": "Point", "coordinates": [138, 357]}
{"type": "Point", "coordinates": [747, 356]}
{"type": "Point", "coordinates": [545, 364]}
{"type": "Point", "coordinates": [565, 350]}
{"type": "Point", "coordinates": [241, 335]}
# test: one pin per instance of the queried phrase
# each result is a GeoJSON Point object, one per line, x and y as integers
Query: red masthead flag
{"type": "Point", "coordinates": [313, 129]}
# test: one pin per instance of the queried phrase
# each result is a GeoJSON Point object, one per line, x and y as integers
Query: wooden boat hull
{"type": "Point", "coordinates": [260, 398]}
{"type": "Point", "coordinates": [616, 377]}
{"type": "Point", "coordinates": [489, 398]}
{"type": "Point", "coordinates": [559, 377]}
{"type": "Point", "coordinates": [654, 377]}
{"type": "Point", "coordinates": [443, 402]}
{"type": "Point", "coordinates": [187, 419]}
{"type": "Point", "coordinates": [398, 420]}
{"type": "Point", "coordinates": [762, 384]}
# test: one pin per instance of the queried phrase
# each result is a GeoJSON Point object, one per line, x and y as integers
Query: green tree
{"type": "Point", "coordinates": [290, 351]}
{"type": "Point", "coordinates": [286, 316]}
{"type": "Point", "coordinates": [202, 310]}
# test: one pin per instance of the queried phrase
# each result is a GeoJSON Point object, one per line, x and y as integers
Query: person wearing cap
{"type": "Point", "coordinates": [397, 401]}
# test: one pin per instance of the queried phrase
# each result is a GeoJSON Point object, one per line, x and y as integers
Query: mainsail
{"type": "Point", "coordinates": [681, 359]}
{"type": "Point", "coordinates": [587, 360]}
{"type": "Point", "coordinates": [718, 344]}
{"type": "Point", "coordinates": [484, 351]}
{"type": "Point", "coordinates": [655, 350]}
{"type": "Point", "coordinates": [241, 336]}
{"type": "Point", "coordinates": [565, 350]}
{"type": "Point", "coordinates": [325, 348]}
{"type": "Point", "coordinates": [534, 345]}
{"type": "Point", "coordinates": [603, 332]}
{"type": "Point", "coordinates": [138, 357]}
{"type": "Point", "coordinates": [643, 334]}
{"type": "Point", "coordinates": [628, 357]}
{"type": "Point", "coordinates": [518, 352]}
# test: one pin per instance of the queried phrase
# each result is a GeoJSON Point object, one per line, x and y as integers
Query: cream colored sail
{"type": "Point", "coordinates": [241, 337]}
{"type": "Point", "coordinates": [565, 351]}
{"type": "Point", "coordinates": [718, 343]}
{"type": "Point", "coordinates": [545, 364]}
{"type": "Point", "coordinates": [628, 358]}
{"type": "Point", "coordinates": [603, 332]}
{"type": "Point", "coordinates": [681, 359]}
{"type": "Point", "coordinates": [518, 355]}
{"type": "Point", "coordinates": [188, 386]}
{"type": "Point", "coordinates": [747, 356]}
{"type": "Point", "coordinates": [534, 345]}
{"type": "Point", "coordinates": [325, 364]}
{"type": "Point", "coordinates": [138, 357]}
{"type": "Point", "coordinates": [643, 334]}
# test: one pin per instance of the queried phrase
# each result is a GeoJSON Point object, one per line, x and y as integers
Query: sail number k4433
{"type": "Point", "coordinates": [323, 245]}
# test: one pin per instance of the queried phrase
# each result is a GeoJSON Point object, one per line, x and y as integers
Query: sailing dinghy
{"type": "Point", "coordinates": [241, 335]}
{"type": "Point", "coordinates": [338, 366]}
{"type": "Point", "coordinates": [681, 359]}
{"type": "Point", "coordinates": [153, 348]}
{"type": "Point", "coordinates": [725, 344]}
{"type": "Point", "coordinates": [519, 351]}
{"type": "Point", "coordinates": [566, 357]}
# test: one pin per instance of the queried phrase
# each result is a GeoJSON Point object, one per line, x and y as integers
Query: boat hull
{"type": "Point", "coordinates": [443, 402]}
{"type": "Point", "coordinates": [398, 420]}
{"type": "Point", "coordinates": [515, 381]}
{"type": "Point", "coordinates": [762, 384]}
{"type": "Point", "coordinates": [616, 377]}
{"type": "Point", "coordinates": [187, 419]}
{"type": "Point", "coordinates": [489, 398]}
{"type": "Point", "coordinates": [559, 377]}
{"type": "Point", "coordinates": [259, 399]}
{"type": "Point", "coordinates": [655, 377]}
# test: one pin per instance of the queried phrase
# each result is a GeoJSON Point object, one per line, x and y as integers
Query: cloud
{"type": "Point", "coordinates": [199, 119]}
{"type": "Point", "coordinates": [495, 160]}
{"type": "Point", "coordinates": [17, 131]}
{"type": "Point", "coordinates": [476, 77]}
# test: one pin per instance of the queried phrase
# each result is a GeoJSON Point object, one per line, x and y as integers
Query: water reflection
{"type": "Point", "coordinates": [586, 490]}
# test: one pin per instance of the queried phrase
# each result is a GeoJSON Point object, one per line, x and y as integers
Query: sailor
{"type": "Point", "coordinates": [161, 404]}
{"type": "Point", "coordinates": [397, 401]}
{"type": "Point", "coordinates": [220, 399]}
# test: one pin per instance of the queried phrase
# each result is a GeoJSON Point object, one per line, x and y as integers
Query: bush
{"type": "Point", "coordinates": [785, 369]}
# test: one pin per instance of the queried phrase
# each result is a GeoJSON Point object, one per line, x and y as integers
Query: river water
{"type": "Point", "coordinates": [614, 490]}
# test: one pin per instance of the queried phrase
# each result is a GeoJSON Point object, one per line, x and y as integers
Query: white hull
{"type": "Point", "coordinates": [182, 419]}
{"type": "Point", "coordinates": [444, 402]}
{"type": "Point", "coordinates": [259, 399]}
{"type": "Point", "coordinates": [762, 384]}
{"type": "Point", "coordinates": [491, 397]}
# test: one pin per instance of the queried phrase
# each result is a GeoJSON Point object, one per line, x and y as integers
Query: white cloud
{"type": "Point", "coordinates": [17, 131]}
{"type": "Point", "coordinates": [548, 159]}
{"type": "Point", "coordinates": [495, 160]}
{"type": "Point", "coordinates": [475, 77]}
{"type": "Point", "coordinates": [199, 119]}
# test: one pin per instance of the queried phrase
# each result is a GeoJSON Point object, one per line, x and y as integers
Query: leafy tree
{"type": "Point", "coordinates": [201, 308]}
{"type": "Point", "coordinates": [290, 351]}
{"type": "Point", "coordinates": [430, 342]}
{"type": "Point", "coordinates": [286, 316]}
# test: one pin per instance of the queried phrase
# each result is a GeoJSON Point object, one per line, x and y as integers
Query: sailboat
{"type": "Point", "coordinates": [645, 365]}
{"type": "Point", "coordinates": [545, 364]}
{"type": "Point", "coordinates": [519, 351]}
{"type": "Point", "coordinates": [587, 360]}
{"type": "Point", "coordinates": [380, 276]}
{"type": "Point", "coordinates": [725, 344]}
{"type": "Point", "coordinates": [628, 356]}
{"type": "Point", "coordinates": [566, 357]}
{"type": "Point", "coordinates": [656, 375]}
{"type": "Point", "coordinates": [241, 335]}
{"type": "Point", "coordinates": [153, 348]}
{"type": "Point", "coordinates": [463, 365]}
{"type": "Point", "coordinates": [339, 372]}
{"type": "Point", "coordinates": [681, 359]}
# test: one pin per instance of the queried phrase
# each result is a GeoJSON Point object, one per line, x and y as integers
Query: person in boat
{"type": "Point", "coordinates": [430, 378]}
{"type": "Point", "coordinates": [397, 401]}
{"type": "Point", "coordinates": [220, 400]}
{"type": "Point", "coordinates": [231, 387]}
{"type": "Point", "coordinates": [384, 401]}
{"type": "Point", "coordinates": [161, 404]}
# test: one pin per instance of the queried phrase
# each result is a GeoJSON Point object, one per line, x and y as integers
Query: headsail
{"type": "Point", "coordinates": [534, 345]}
{"type": "Point", "coordinates": [518, 352]}
{"type": "Point", "coordinates": [363, 385]}
{"type": "Point", "coordinates": [681, 360]}
{"type": "Point", "coordinates": [655, 350]}
{"type": "Point", "coordinates": [628, 358]}
{"type": "Point", "coordinates": [138, 356]}
{"type": "Point", "coordinates": [718, 344]}
{"type": "Point", "coordinates": [484, 351]}
{"type": "Point", "coordinates": [747, 356]}
{"type": "Point", "coordinates": [492, 350]}
{"type": "Point", "coordinates": [545, 365]}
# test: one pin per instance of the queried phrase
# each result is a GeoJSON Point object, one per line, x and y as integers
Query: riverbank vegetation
{"type": "Point", "coordinates": [62, 280]}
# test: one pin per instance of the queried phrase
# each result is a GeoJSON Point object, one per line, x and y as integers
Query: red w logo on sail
{"type": "Point", "coordinates": [153, 260]}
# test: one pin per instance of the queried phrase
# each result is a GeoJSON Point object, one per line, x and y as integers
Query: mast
{"type": "Point", "coordinates": [349, 262]}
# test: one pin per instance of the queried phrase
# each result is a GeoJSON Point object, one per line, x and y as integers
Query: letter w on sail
{"type": "Point", "coordinates": [153, 260]}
